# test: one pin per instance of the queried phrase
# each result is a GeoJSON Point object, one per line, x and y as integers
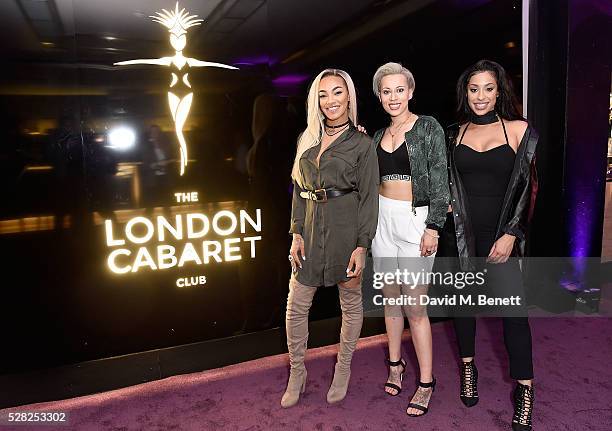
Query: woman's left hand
{"type": "Point", "coordinates": [357, 261]}
{"type": "Point", "coordinates": [362, 129]}
{"type": "Point", "coordinates": [429, 242]}
{"type": "Point", "coordinates": [501, 250]}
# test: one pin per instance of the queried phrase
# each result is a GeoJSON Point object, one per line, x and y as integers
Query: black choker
{"type": "Point", "coordinates": [488, 118]}
{"type": "Point", "coordinates": [336, 127]}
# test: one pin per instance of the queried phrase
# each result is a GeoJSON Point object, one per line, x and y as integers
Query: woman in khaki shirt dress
{"type": "Point", "coordinates": [333, 222]}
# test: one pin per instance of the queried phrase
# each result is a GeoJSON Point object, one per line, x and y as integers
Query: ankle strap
{"type": "Point", "coordinates": [429, 384]}
{"type": "Point", "coordinates": [400, 361]}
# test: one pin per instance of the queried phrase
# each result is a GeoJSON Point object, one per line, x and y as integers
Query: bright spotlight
{"type": "Point", "coordinates": [122, 138]}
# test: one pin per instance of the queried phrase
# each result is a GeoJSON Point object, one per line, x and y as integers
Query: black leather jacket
{"type": "Point", "coordinates": [517, 206]}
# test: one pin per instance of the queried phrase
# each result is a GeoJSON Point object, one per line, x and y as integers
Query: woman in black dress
{"type": "Point", "coordinates": [493, 184]}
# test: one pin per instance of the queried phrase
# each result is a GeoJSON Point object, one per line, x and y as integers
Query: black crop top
{"type": "Point", "coordinates": [395, 165]}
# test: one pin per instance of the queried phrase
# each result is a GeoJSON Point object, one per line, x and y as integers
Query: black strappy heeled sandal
{"type": "Point", "coordinates": [401, 363]}
{"type": "Point", "coordinates": [469, 384]}
{"type": "Point", "coordinates": [523, 407]}
{"type": "Point", "coordinates": [424, 409]}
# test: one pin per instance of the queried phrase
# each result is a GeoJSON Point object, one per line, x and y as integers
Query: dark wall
{"type": "Point", "coordinates": [570, 70]}
{"type": "Point", "coordinates": [588, 84]}
{"type": "Point", "coordinates": [569, 103]}
{"type": "Point", "coordinates": [436, 43]}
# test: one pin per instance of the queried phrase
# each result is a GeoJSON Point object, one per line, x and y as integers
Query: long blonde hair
{"type": "Point", "coordinates": [311, 136]}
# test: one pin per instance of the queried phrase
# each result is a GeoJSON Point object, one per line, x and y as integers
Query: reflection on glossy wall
{"type": "Point", "coordinates": [606, 247]}
{"type": "Point", "coordinates": [83, 141]}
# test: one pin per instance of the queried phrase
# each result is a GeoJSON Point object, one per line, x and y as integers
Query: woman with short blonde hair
{"type": "Point", "coordinates": [413, 200]}
{"type": "Point", "coordinates": [391, 69]}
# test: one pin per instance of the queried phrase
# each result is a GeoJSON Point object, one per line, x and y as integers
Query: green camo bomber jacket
{"type": "Point", "coordinates": [428, 165]}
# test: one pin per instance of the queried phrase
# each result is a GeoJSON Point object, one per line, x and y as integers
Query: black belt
{"type": "Point", "coordinates": [322, 195]}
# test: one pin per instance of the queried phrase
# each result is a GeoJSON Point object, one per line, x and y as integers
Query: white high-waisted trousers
{"type": "Point", "coordinates": [398, 237]}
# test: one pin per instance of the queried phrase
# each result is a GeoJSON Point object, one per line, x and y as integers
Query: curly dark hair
{"type": "Point", "coordinates": [506, 105]}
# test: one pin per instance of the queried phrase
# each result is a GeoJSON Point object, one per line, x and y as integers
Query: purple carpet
{"type": "Point", "coordinates": [573, 365]}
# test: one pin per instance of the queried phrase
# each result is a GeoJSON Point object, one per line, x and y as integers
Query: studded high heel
{"type": "Point", "coordinates": [469, 384]}
{"type": "Point", "coordinates": [523, 407]}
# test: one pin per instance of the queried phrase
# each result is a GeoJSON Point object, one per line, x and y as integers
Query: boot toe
{"type": "Point", "coordinates": [469, 401]}
{"type": "Point", "coordinates": [288, 401]}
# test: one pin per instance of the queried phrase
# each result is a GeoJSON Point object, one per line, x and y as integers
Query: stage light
{"type": "Point", "coordinates": [121, 138]}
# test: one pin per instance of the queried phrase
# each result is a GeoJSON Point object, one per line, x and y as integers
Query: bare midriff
{"type": "Point", "coordinates": [398, 190]}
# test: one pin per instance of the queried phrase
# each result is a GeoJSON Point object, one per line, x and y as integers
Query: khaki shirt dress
{"type": "Point", "coordinates": [333, 229]}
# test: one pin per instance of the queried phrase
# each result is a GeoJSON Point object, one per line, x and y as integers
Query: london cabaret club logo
{"type": "Point", "coordinates": [140, 230]}
{"type": "Point", "coordinates": [188, 235]}
{"type": "Point", "coordinates": [177, 22]}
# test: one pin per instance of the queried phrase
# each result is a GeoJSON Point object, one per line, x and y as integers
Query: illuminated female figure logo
{"type": "Point", "coordinates": [177, 23]}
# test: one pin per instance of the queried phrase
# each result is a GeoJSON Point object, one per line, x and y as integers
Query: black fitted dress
{"type": "Point", "coordinates": [485, 176]}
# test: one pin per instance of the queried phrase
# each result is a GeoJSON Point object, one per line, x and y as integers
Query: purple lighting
{"type": "Point", "coordinates": [290, 84]}
{"type": "Point", "coordinates": [255, 60]}
{"type": "Point", "coordinates": [580, 229]}
{"type": "Point", "coordinates": [290, 80]}
{"type": "Point", "coordinates": [589, 9]}
{"type": "Point", "coordinates": [604, 6]}
{"type": "Point", "coordinates": [580, 226]}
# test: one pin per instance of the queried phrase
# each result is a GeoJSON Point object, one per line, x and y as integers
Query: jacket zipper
{"type": "Point", "coordinates": [409, 153]}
